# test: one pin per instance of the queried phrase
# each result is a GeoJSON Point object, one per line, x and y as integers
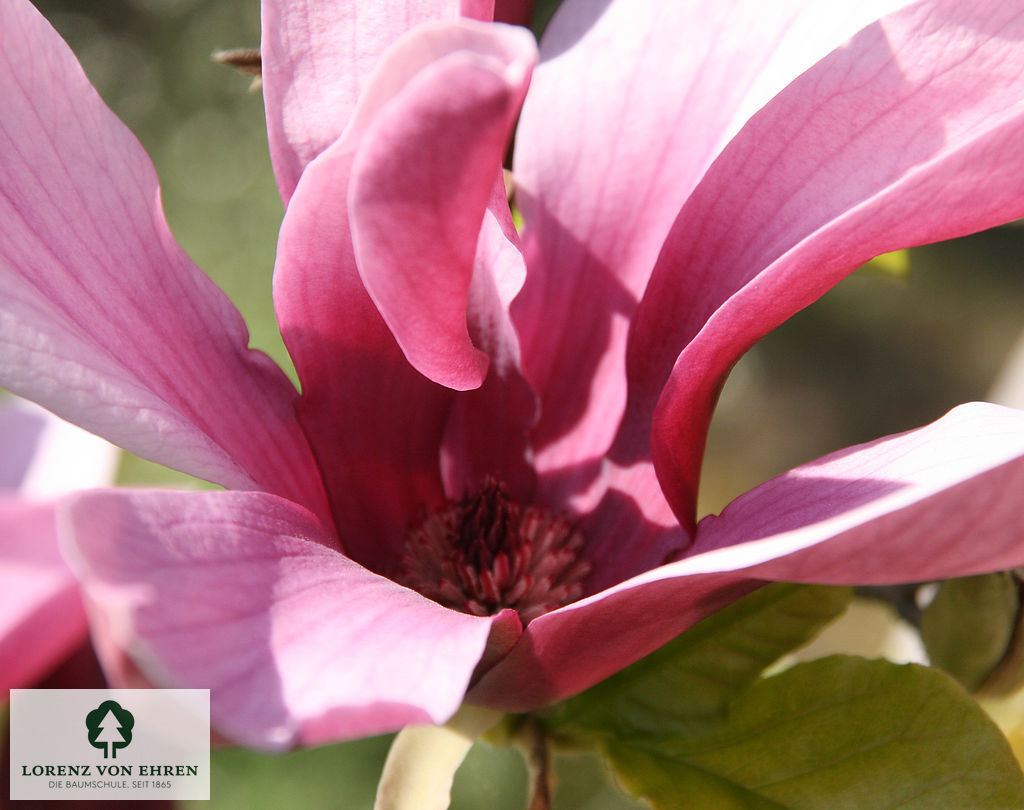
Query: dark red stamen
{"type": "Point", "coordinates": [485, 553]}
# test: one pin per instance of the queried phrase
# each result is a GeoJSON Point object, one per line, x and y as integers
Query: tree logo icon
{"type": "Point", "coordinates": [110, 727]}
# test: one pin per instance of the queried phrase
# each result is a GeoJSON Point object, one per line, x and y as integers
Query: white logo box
{"type": "Point", "coordinates": [110, 744]}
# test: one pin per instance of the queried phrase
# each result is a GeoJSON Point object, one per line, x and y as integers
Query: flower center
{"type": "Point", "coordinates": [484, 553]}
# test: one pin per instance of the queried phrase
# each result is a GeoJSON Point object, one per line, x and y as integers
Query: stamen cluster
{"type": "Point", "coordinates": [485, 553]}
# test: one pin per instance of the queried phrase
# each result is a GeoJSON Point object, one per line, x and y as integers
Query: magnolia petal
{"type": "Point", "coordinates": [41, 615]}
{"type": "Point", "coordinates": [629, 106]}
{"type": "Point", "coordinates": [516, 12]}
{"type": "Point", "coordinates": [317, 59]}
{"type": "Point", "coordinates": [488, 430]}
{"type": "Point", "coordinates": [933, 503]}
{"type": "Point", "coordinates": [21, 433]}
{"type": "Point", "coordinates": [562, 653]}
{"type": "Point", "coordinates": [422, 180]}
{"type": "Point", "coordinates": [913, 132]}
{"type": "Point", "coordinates": [626, 523]}
{"type": "Point", "coordinates": [379, 445]}
{"type": "Point", "coordinates": [375, 423]}
{"type": "Point", "coordinates": [478, 9]}
{"type": "Point", "coordinates": [240, 593]}
{"type": "Point", "coordinates": [42, 456]}
{"type": "Point", "coordinates": [103, 318]}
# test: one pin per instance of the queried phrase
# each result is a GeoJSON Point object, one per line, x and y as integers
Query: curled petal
{"type": "Point", "coordinates": [912, 132]}
{"type": "Point", "coordinates": [488, 430]}
{"type": "Point", "coordinates": [378, 443]}
{"type": "Point", "coordinates": [630, 105]}
{"type": "Point", "coordinates": [240, 593]}
{"type": "Point", "coordinates": [377, 439]}
{"type": "Point", "coordinates": [317, 59]}
{"type": "Point", "coordinates": [422, 180]}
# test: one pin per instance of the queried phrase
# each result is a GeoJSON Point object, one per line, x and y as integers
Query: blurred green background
{"type": "Point", "coordinates": [884, 352]}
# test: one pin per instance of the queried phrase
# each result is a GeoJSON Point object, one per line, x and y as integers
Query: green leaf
{"type": "Point", "coordinates": [841, 733]}
{"type": "Point", "coordinates": [686, 684]}
{"type": "Point", "coordinates": [969, 624]}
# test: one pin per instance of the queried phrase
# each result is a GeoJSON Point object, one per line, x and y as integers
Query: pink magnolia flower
{"type": "Point", "coordinates": [42, 619]}
{"type": "Point", "coordinates": [513, 428]}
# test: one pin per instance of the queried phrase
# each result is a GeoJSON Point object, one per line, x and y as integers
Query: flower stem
{"type": "Point", "coordinates": [538, 758]}
{"type": "Point", "coordinates": [422, 761]}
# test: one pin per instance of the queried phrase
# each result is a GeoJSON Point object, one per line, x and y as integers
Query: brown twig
{"type": "Point", "coordinates": [246, 60]}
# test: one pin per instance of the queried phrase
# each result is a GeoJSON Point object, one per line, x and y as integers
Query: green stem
{"type": "Point", "coordinates": [421, 764]}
